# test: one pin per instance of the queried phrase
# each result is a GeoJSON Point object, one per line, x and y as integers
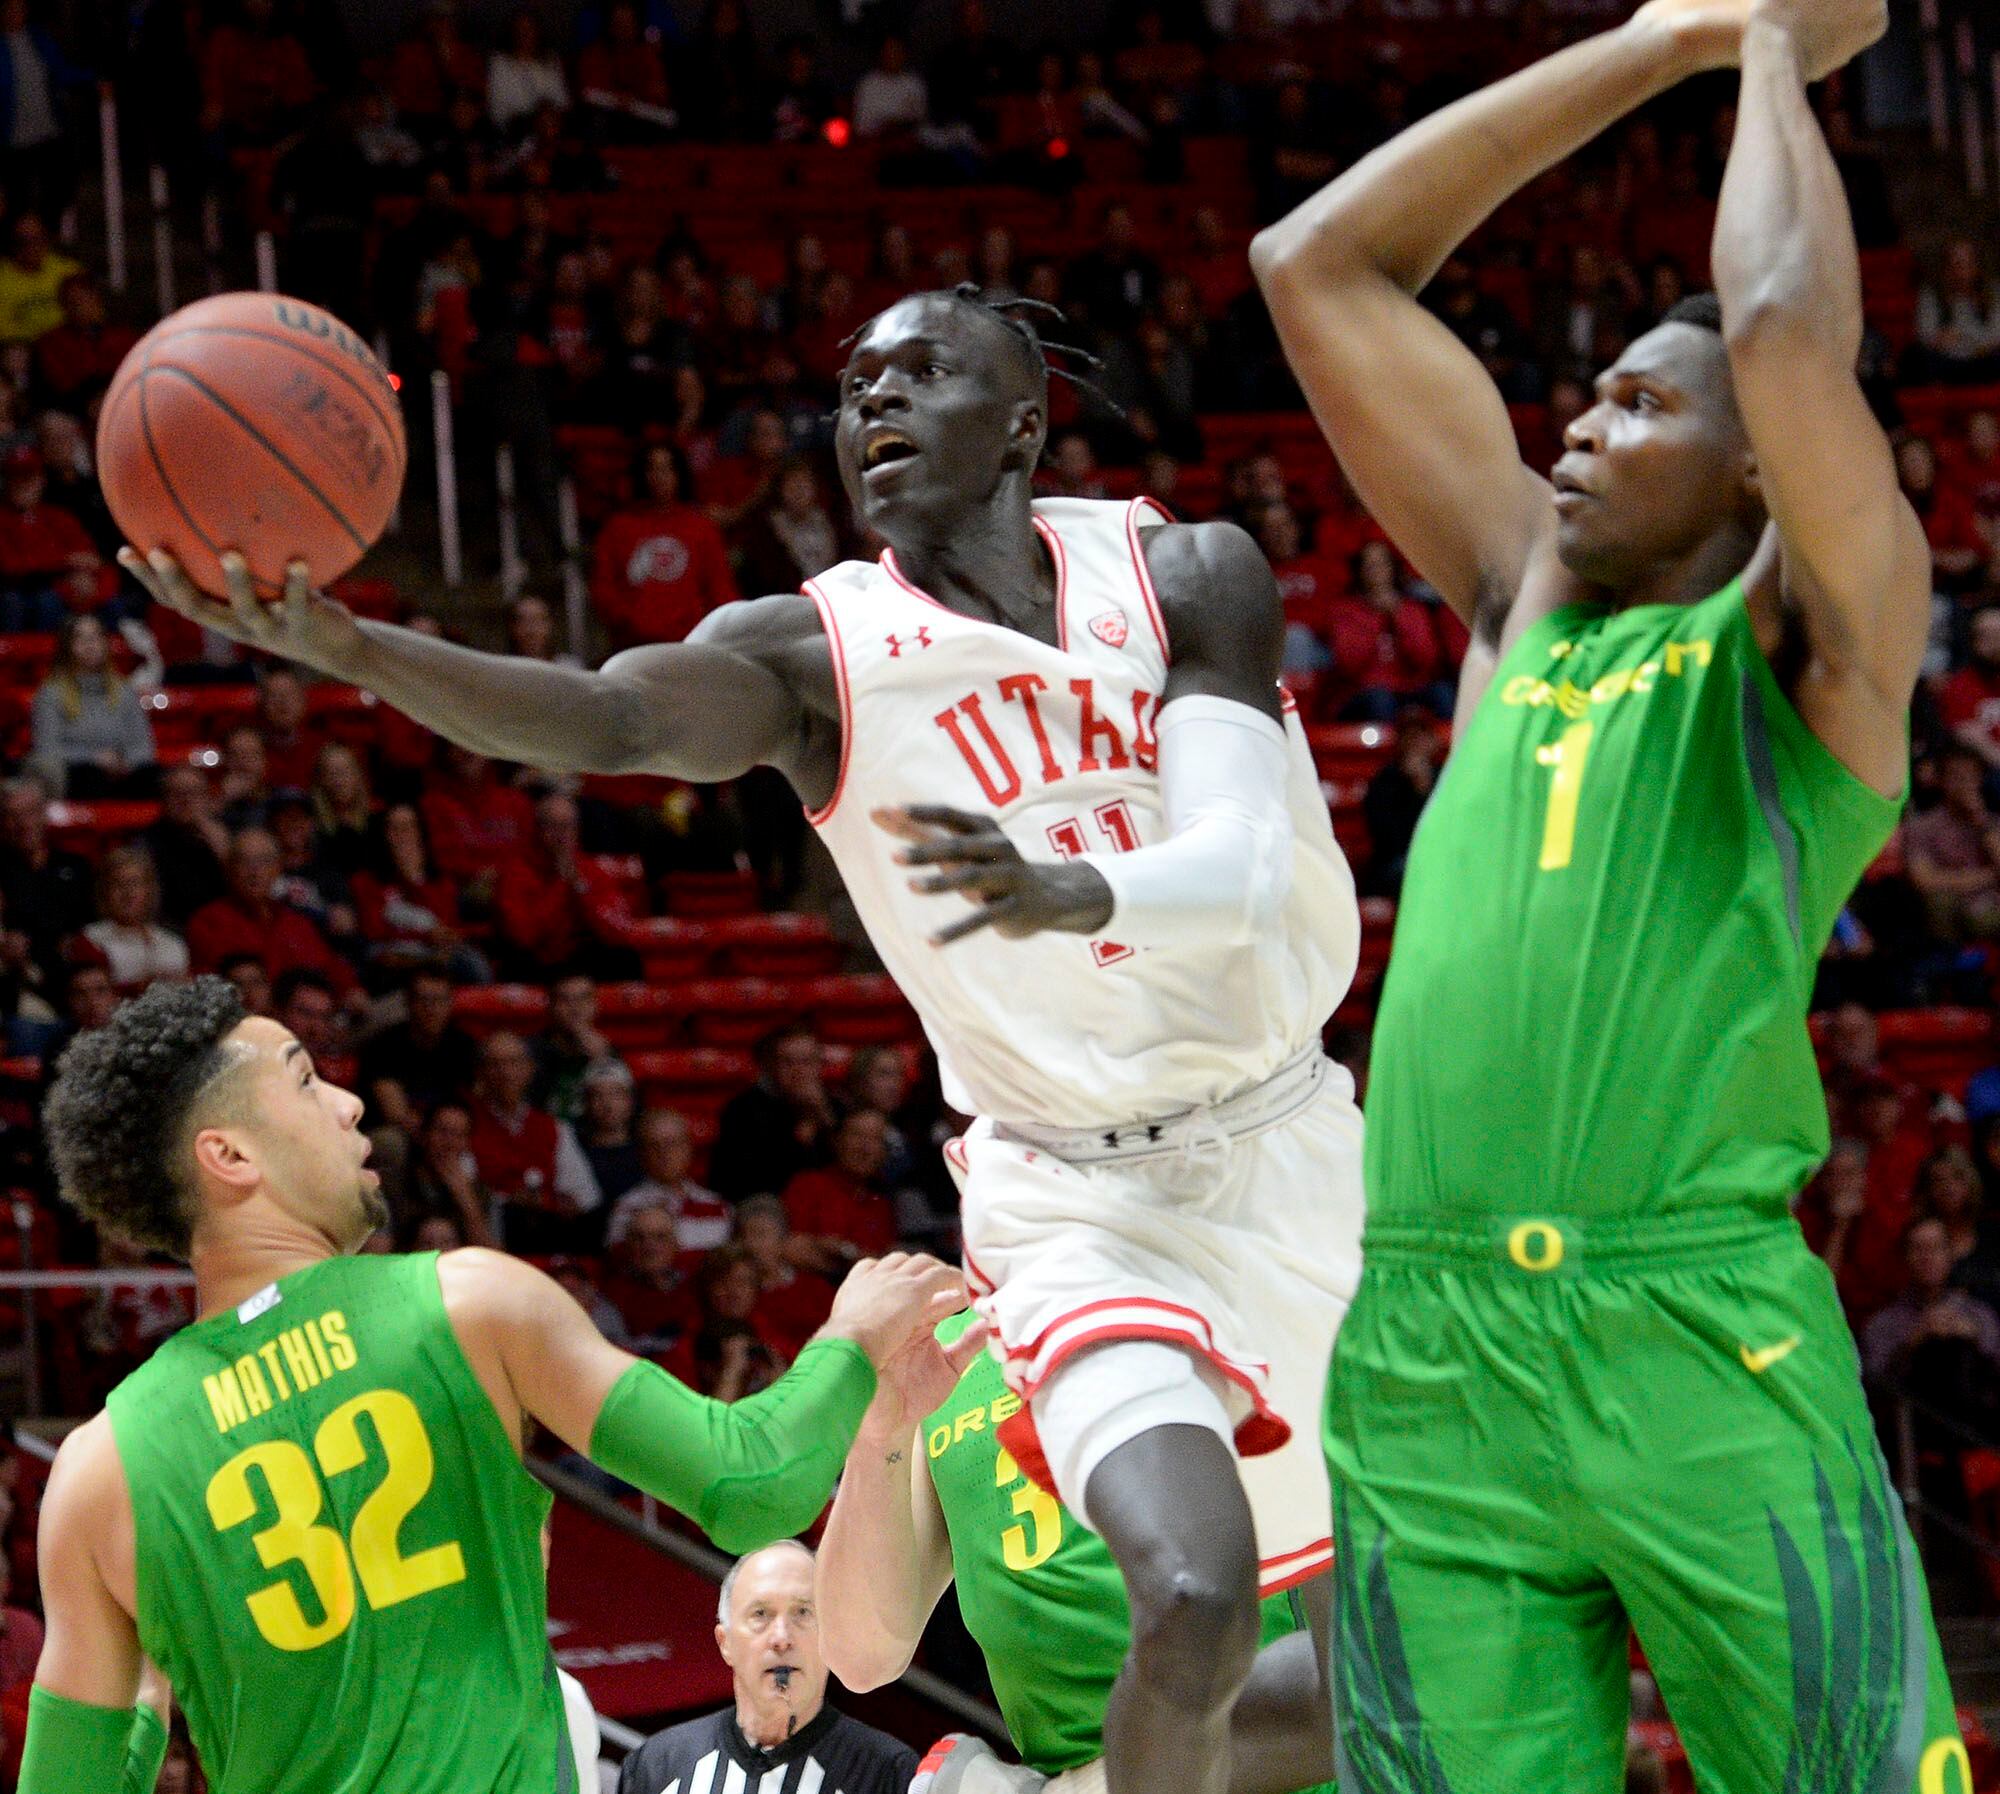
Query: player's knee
{"type": "Point", "coordinates": [1194, 1629]}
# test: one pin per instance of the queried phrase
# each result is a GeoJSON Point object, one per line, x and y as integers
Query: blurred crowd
{"type": "Point", "coordinates": [449, 199]}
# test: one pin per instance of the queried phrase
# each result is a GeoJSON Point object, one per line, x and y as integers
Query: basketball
{"type": "Point", "coordinates": [254, 422]}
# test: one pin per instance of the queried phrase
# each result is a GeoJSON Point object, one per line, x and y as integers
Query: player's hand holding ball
{"type": "Point", "coordinates": [303, 625]}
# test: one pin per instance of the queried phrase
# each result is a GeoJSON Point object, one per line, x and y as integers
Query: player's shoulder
{"type": "Point", "coordinates": [87, 1480]}
{"type": "Point", "coordinates": [1216, 563]}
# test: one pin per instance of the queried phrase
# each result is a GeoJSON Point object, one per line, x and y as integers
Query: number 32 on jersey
{"type": "Point", "coordinates": [371, 1553]}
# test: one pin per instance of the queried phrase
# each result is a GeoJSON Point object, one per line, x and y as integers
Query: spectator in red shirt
{"type": "Point", "coordinates": [666, 1158]}
{"type": "Point", "coordinates": [1953, 853]}
{"type": "Point", "coordinates": [645, 1282]}
{"type": "Point", "coordinates": [1385, 643]}
{"type": "Point", "coordinates": [728, 1358]}
{"type": "Point", "coordinates": [291, 749]}
{"type": "Point", "coordinates": [840, 1211]}
{"type": "Point", "coordinates": [1970, 699]}
{"type": "Point", "coordinates": [247, 919]}
{"type": "Point", "coordinates": [661, 565]}
{"type": "Point", "coordinates": [1958, 550]}
{"type": "Point", "coordinates": [736, 484]}
{"type": "Point", "coordinates": [622, 68]}
{"type": "Point", "coordinates": [1308, 584]}
{"type": "Point", "coordinates": [533, 1163]}
{"type": "Point", "coordinates": [432, 69]}
{"type": "Point", "coordinates": [77, 358]}
{"type": "Point", "coordinates": [48, 564]}
{"type": "Point", "coordinates": [477, 824]}
{"type": "Point", "coordinates": [407, 910]}
{"type": "Point", "coordinates": [792, 1304]}
{"type": "Point", "coordinates": [556, 909]}
{"type": "Point", "coordinates": [307, 1004]}
{"type": "Point", "coordinates": [255, 77]}
{"type": "Point", "coordinates": [1973, 469]}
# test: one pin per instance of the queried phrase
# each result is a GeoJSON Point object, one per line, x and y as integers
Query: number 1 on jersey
{"type": "Point", "coordinates": [1567, 756]}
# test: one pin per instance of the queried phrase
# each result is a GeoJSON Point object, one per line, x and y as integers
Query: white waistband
{"type": "Point", "coordinates": [1279, 1097]}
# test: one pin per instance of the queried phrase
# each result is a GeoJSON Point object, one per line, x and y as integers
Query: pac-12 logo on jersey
{"type": "Point", "coordinates": [1110, 628]}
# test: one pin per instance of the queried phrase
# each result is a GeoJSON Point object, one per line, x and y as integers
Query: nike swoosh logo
{"type": "Point", "coordinates": [1758, 1362]}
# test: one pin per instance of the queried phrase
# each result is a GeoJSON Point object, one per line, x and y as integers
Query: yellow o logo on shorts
{"type": "Point", "coordinates": [1930, 1773]}
{"type": "Point", "coordinates": [1536, 1245]}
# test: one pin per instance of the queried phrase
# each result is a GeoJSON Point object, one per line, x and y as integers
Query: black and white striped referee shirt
{"type": "Point", "coordinates": [832, 1755]}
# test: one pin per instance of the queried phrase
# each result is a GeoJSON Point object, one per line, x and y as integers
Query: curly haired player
{"type": "Point", "coordinates": [308, 1509]}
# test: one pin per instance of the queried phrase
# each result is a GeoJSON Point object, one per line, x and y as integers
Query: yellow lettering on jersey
{"type": "Point", "coordinates": [256, 1396]}
{"type": "Point", "coordinates": [334, 1324]}
{"type": "Point", "coordinates": [318, 1345]}
{"type": "Point", "coordinates": [1931, 1771]}
{"type": "Point", "coordinates": [268, 1351]}
{"type": "Point", "coordinates": [1005, 1407]}
{"type": "Point", "coordinates": [1525, 691]}
{"type": "Point", "coordinates": [298, 1357]}
{"type": "Point", "coordinates": [225, 1399]}
{"type": "Point", "coordinates": [972, 1422]}
{"type": "Point", "coordinates": [939, 1441]}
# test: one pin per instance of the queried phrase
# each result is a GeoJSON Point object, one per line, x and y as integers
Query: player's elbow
{"type": "Point", "coordinates": [862, 1664]}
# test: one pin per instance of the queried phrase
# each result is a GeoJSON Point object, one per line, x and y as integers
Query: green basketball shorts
{"type": "Point", "coordinates": [1540, 1432]}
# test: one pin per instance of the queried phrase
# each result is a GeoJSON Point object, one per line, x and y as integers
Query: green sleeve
{"type": "Point", "coordinates": [145, 1751]}
{"type": "Point", "coordinates": [77, 1749]}
{"type": "Point", "coordinates": [747, 1472]}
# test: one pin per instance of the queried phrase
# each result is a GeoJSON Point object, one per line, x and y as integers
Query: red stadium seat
{"type": "Point", "coordinates": [24, 659]}
{"type": "Point", "coordinates": [710, 893]}
{"type": "Point", "coordinates": [785, 945]}
{"type": "Point", "coordinates": [672, 948]}
{"type": "Point", "coordinates": [90, 828]}
{"type": "Point", "coordinates": [737, 1012]}
{"type": "Point", "coordinates": [1349, 750]}
{"type": "Point", "coordinates": [629, 873]}
{"type": "Point", "coordinates": [640, 1015]}
{"type": "Point", "coordinates": [198, 713]}
{"type": "Point", "coordinates": [695, 1080]}
{"type": "Point", "coordinates": [859, 1009]}
{"type": "Point", "coordinates": [484, 1009]}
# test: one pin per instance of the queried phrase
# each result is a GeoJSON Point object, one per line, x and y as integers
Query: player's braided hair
{"type": "Point", "coordinates": [1017, 312]}
{"type": "Point", "coordinates": [118, 1111]}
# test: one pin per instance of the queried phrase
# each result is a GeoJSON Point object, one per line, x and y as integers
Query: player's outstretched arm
{"type": "Point", "coordinates": [885, 1558]}
{"type": "Point", "coordinates": [746, 1472]}
{"type": "Point", "coordinates": [1419, 426]}
{"type": "Point", "coordinates": [97, 1712]}
{"type": "Point", "coordinates": [1855, 562]}
{"type": "Point", "coordinates": [694, 710]}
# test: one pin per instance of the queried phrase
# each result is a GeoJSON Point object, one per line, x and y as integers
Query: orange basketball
{"type": "Point", "coordinates": [253, 422]}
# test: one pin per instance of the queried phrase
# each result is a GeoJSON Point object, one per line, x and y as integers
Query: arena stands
{"type": "Point", "coordinates": [634, 254]}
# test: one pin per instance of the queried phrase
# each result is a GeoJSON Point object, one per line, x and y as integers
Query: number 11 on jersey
{"type": "Point", "coordinates": [1067, 838]}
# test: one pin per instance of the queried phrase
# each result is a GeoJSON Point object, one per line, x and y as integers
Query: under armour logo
{"type": "Point", "coordinates": [1150, 1135]}
{"type": "Point", "coordinates": [922, 638]}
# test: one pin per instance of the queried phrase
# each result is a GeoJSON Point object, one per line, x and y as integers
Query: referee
{"type": "Point", "coordinates": [768, 1634]}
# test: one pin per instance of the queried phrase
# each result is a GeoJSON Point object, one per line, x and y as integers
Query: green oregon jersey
{"type": "Point", "coordinates": [1039, 1591]}
{"type": "Point", "coordinates": [1614, 906]}
{"type": "Point", "coordinates": [339, 1550]}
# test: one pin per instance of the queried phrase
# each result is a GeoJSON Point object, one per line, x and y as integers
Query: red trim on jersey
{"type": "Point", "coordinates": [819, 817]}
{"type": "Point", "coordinates": [1275, 1582]}
{"type": "Point", "coordinates": [1262, 1430]}
{"type": "Point", "coordinates": [1195, 1315]}
{"type": "Point", "coordinates": [1057, 553]}
{"type": "Point", "coordinates": [954, 1150]}
{"type": "Point", "coordinates": [1287, 703]}
{"type": "Point", "coordinates": [1060, 555]}
{"type": "Point", "coordinates": [1145, 573]}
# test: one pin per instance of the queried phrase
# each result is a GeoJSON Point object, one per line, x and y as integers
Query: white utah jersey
{"type": "Point", "coordinates": [1057, 744]}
